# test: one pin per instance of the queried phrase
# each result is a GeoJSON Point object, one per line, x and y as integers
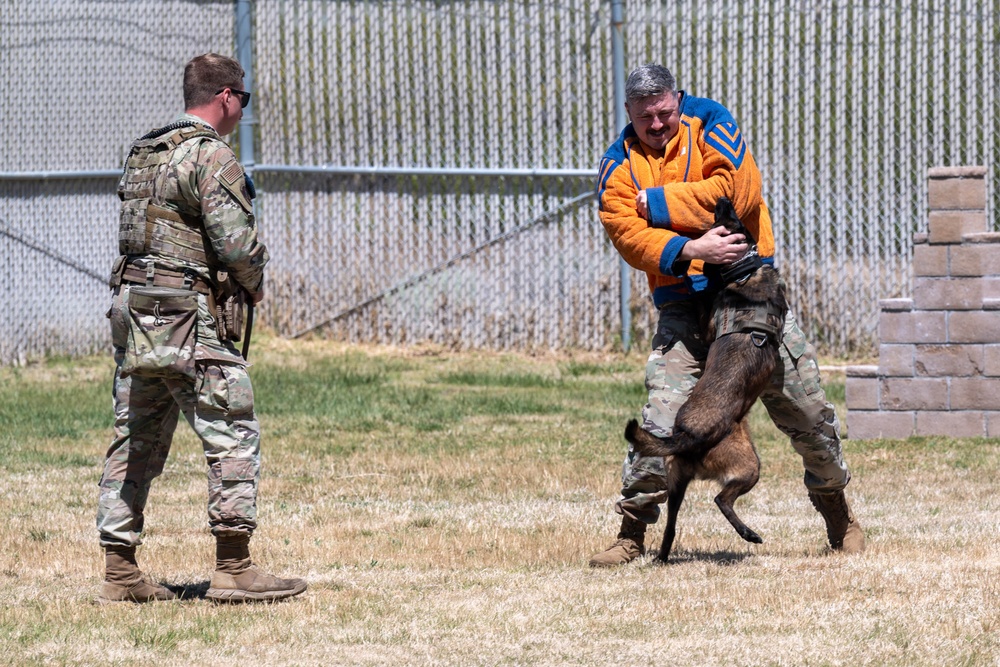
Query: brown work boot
{"type": "Point", "coordinates": [125, 582]}
{"type": "Point", "coordinates": [842, 528]}
{"type": "Point", "coordinates": [236, 579]}
{"type": "Point", "coordinates": [626, 548]}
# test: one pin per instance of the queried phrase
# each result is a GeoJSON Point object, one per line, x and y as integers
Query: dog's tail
{"type": "Point", "coordinates": [645, 442]}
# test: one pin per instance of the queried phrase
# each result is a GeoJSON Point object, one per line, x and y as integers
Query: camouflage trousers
{"type": "Point", "coordinates": [216, 400]}
{"type": "Point", "coordinates": [794, 400]}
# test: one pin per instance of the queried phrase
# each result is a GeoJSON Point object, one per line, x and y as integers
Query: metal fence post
{"type": "Point", "coordinates": [618, 63]}
{"type": "Point", "coordinates": [244, 54]}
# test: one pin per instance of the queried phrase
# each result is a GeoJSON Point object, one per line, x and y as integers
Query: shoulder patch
{"type": "Point", "coordinates": [728, 140]}
{"type": "Point", "coordinates": [231, 173]}
{"type": "Point", "coordinates": [232, 178]}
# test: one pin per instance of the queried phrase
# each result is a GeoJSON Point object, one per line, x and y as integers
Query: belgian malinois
{"type": "Point", "coordinates": [711, 436]}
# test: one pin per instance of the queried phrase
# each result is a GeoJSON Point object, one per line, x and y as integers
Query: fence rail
{"type": "Point", "coordinates": [425, 169]}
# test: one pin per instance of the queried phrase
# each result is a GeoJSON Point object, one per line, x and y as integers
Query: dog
{"type": "Point", "coordinates": [711, 436]}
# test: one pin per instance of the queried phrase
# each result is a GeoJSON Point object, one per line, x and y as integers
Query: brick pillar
{"type": "Point", "coordinates": [939, 351]}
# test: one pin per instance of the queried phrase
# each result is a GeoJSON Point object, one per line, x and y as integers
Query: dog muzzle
{"type": "Point", "coordinates": [743, 268]}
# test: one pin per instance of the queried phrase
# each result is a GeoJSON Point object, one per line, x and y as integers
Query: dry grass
{"type": "Point", "coordinates": [443, 507]}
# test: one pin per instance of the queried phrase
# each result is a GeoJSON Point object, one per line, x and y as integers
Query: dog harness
{"type": "Point", "coordinates": [762, 321]}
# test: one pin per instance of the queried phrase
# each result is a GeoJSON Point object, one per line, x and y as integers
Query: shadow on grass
{"type": "Point", "coordinates": [199, 591]}
{"type": "Point", "coordinates": [193, 591]}
{"type": "Point", "coordinates": [717, 557]}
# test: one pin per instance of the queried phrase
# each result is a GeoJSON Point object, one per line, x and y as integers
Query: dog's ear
{"type": "Point", "coordinates": [725, 215]}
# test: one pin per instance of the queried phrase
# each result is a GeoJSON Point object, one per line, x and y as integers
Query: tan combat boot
{"type": "Point", "coordinates": [236, 579]}
{"type": "Point", "coordinates": [842, 528]}
{"type": "Point", "coordinates": [626, 548]}
{"type": "Point", "coordinates": [125, 582]}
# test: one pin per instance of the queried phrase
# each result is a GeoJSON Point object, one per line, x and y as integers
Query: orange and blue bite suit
{"type": "Point", "coordinates": [707, 159]}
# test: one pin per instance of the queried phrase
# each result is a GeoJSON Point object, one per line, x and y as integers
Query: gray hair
{"type": "Point", "coordinates": [649, 80]}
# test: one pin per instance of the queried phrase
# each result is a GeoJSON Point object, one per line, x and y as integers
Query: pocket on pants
{"type": "Point", "coordinates": [224, 388]}
{"type": "Point", "coordinates": [160, 332]}
{"type": "Point", "coordinates": [238, 470]}
{"type": "Point", "coordinates": [805, 381]}
{"type": "Point", "coordinates": [795, 342]}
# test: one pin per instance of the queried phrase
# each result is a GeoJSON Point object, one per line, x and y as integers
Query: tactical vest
{"type": "Point", "coordinates": [145, 227]}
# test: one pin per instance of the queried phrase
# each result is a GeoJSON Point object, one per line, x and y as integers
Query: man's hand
{"type": "Point", "coordinates": [640, 205]}
{"type": "Point", "coordinates": [716, 246]}
{"type": "Point", "coordinates": [259, 296]}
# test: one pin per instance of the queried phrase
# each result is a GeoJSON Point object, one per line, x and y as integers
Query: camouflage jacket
{"type": "Point", "coordinates": [203, 180]}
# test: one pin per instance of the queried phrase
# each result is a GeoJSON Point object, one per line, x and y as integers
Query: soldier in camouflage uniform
{"type": "Point", "coordinates": [189, 249]}
{"type": "Point", "coordinates": [658, 187]}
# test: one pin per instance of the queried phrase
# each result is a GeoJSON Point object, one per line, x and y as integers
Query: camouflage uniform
{"type": "Point", "coordinates": [186, 216]}
{"type": "Point", "coordinates": [795, 401]}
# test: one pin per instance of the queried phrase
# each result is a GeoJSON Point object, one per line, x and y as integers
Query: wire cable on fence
{"type": "Point", "coordinates": [6, 230]}
{"type": "Point", "coordinates": [548, 216]}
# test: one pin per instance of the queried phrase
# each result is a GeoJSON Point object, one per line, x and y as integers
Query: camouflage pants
{"type": "Point", "coordinates": [218, 404]}
{"type": "Point", "coordinates": [794, 400]}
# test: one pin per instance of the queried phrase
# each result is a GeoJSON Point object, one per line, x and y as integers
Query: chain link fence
{"type": "Point", "coordinates": [458, 243]}
{"type": "Point", "coordinates": [426, 169]}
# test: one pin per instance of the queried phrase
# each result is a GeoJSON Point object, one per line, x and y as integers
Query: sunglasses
{"type": "Point", "coordinates": [244, 96]}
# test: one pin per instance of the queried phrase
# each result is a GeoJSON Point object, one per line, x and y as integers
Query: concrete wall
{"type": "Point", "coordinates": [939, 351]}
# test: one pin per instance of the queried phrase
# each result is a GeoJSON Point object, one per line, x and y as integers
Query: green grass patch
{"type": "Point", "coordinates": [364, 395]}
{"type": "Point", "coordinates": [56, 408]}
{"type": "Point", "coordinates": [47, 412]}
{"type": "Point", "coordinates": [474, 378]}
